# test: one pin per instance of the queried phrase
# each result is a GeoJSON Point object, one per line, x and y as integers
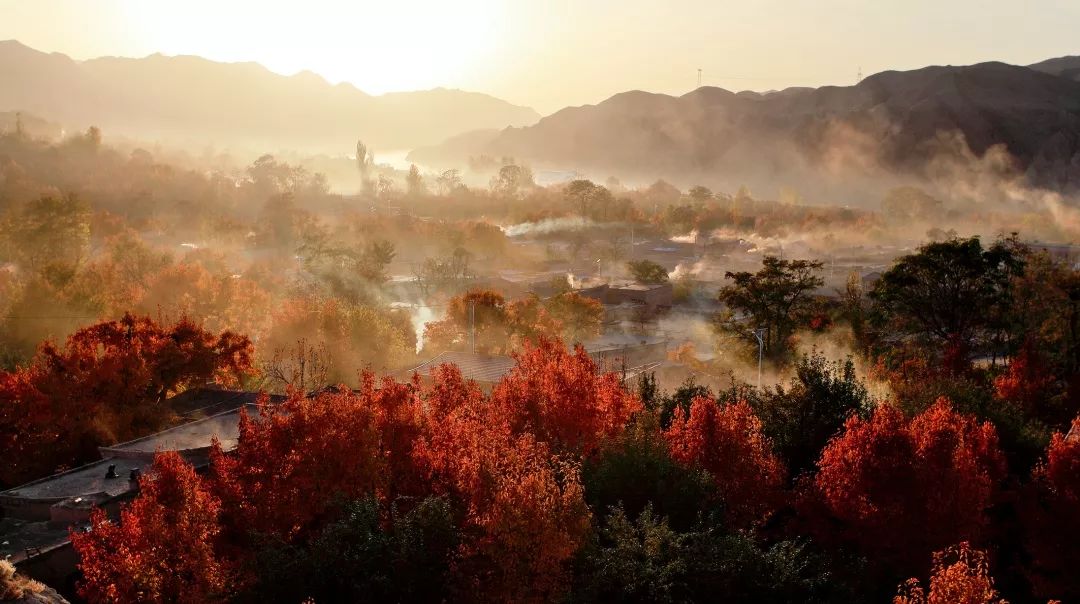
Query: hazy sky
{"type": "Point", "coordinates": [553, 53]}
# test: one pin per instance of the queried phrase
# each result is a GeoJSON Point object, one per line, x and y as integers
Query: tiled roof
{"type": "Point", "coordinates": [476, 367]}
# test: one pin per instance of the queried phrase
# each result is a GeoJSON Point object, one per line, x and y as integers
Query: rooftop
{"type": "Point", "coordinates": [84, 481]}
{"type": "Point", "coordinates": [17, 537]}
{"type": "Point", "coordinates": [473, 366]}
{"type": "Point", "coordinates": [640, 287]}
{"type": "Point", "coordinates": [204, 402]}
{"type": "Point", "coordinates": [192, 437]}
{"type": "Point", "coordinates": [621, 340]}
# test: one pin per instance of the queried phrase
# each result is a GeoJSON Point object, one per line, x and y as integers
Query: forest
{"type": "Point", "coordinates": [916, 439]}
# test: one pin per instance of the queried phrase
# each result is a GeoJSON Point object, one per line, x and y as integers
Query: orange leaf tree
{"type": "Point", "coordinates": [1051, 521]}
{"type": "Point", "coordinates": [728, 443]}
{"type": "Point", "coordinates": [562, 398]}
{"type": "Point", "coordinates": [162, 550]}
{"type": "Point", "coordinates": [108, 383]}
{"type": "Point", "coordinates": [903, 488]}
{"type": "Point", "coordinates": [961, 575]}
{"type": "Point", "coordinates": [523, 508]}
{"type": "Point", "coordinates": [297, 461]}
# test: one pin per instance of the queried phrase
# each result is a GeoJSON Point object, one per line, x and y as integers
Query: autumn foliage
{"type": "Point", "coordinates": [295, 462]}
{"type": "Point", "coordinates": [523, 507]}
{"type": "Point", "coordinates": [108, 383]}
{"type": "Point", "coordinates": [163, 547]}
{"type": "Point", "coordinates": [902, 488]}
{"type": "Point", "coordinates": [1051, 520]}
{"type": "Point", "coordinates": [561, 397]}
{"type": "Point", "coordinates": [726, 440]}
{"type": "Point", "coordinates": [960, 575]}
{"type": "Point", "coordinates": [486, 321]}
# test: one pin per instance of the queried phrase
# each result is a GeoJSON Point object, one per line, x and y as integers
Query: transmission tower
{"type": "Point", "coordinates": [699, 77]}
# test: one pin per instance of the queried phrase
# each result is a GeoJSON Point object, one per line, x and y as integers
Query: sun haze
{"type": "Point", "coordinates": [552, 54]}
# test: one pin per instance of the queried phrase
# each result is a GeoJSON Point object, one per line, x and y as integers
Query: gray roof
{"type": "Point", "coordinates": [204, 402]}
{"type": "Point", "coordinates": [192, 438]}
{"type": "Point", "coordinates": [473, 366]}
{"type": "Point", "coordinates": [84, 481]}
{"type": "Point", "coordinates": [19, 536]}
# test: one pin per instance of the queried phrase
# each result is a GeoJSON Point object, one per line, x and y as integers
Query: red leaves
{"type": "Point", "coordinates": [961, 575]}
{"type": "Point", "coordinates": [498, 326]}
{"type": "Point", "coordinates": [295, 462]}
{"type": "Point", "coordinates": [524, 508]}
{"type": "Point", "coordinates": [107, 384]}
{"type": "Point", "coordinates": [1051, 522]}
{"type": "Point", "coordinates": [1025, 381]}
{"type": "Point", "coordinates": [728, 443]}
{"type": "Point", "coordinates": [561, 398]}
{"type": "Point", "coordinates": [163, 547]}
{"type": "Point", "coordinates": [904, 488]}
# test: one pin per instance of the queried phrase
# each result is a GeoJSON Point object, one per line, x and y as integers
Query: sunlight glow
{"type": "Point", "coordinates": [379, 47]}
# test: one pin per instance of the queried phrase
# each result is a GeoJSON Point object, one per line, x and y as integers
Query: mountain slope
{"type": "Point", "coordinates": [1066, 67]}
{"type": "Point", "coordinates": [190, 99]}
{"type": "Point", "coordinates": [892, 120]}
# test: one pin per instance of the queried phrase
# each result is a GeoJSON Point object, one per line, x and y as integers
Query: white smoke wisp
{"type": "Point", "coordinates": [547, 226]}
{"type": "Point", "coordinates": [420, 315]}
{"type": "Point", "coordinates": [690, 237]}
{"type": "Point", "coordinates": [683, 270]}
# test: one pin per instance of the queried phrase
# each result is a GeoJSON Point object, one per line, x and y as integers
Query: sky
{"type": "Point", "coordinates": [553, 53]}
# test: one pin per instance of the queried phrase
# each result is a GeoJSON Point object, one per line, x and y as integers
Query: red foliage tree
{"type": "Point", "coordinates": [162, 550]}
{"type": "Point", "coordinates": [902, 489]}
{"type": "Point", "coordinates": [524, 510]}
{"type": "Point", "coordinates": [1026, 381]}
{"type": "Point", "coordinates": [562, 398]}
{"type": "Point", "coordinates": [728, 443]}
{"type": "Point", "coordinates": [108, 383]}
{"type": "Point", "coordinates": [960, 575]}
{"type": "Point", "coordinates": [1051, 520]}
{"type": "Point", "coordinates": [296, 461]}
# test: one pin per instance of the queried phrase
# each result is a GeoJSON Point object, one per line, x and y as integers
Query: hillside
{"type": "Point", "coordinates": [892, 121]}
{"type": "Point", "coordinates": [1068, 67]}
{"type": "Point", "coordinates": [193, 100]}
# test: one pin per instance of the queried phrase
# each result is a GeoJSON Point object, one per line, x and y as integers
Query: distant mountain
{"type": "Point", "coordinates": [890, 122]}
{"type": "Point", "coordinates": [1068, 67]}
{"type": "Point", "coordinates": [194, 100]}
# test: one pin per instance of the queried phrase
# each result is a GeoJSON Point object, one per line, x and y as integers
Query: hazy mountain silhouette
{"type": "Point", "coordinates": [1068, 67]}
{"type": "Point", "coordinates": [892, 121]}
{"type": "Point", "coordinates": [195, 100]}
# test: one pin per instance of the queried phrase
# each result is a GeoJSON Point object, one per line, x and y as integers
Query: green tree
{"type": "Point", "coordinates": [700, 194]}
{"type": "Point", "coordinates": [777, 298]}
{"type": "Point", "coordinates": [647, 271]}
{"type": "Point", "coordinates": [49, 231]}
{"type": "Point", "coordinates": [801, 418]}
{"type": "Point", "coordinates": [414, 182]}
{"type": "Point", "coordinates": [362, 558]}
{"type": "Point", "coordinates": [511, 181]}
{"type": "Point", "coordinates": [950, 293]}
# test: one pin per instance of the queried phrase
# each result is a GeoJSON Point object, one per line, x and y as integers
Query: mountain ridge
{"type": "Point", "coordinates": [189, 98]}
{"type": "Point", "coordinates": [891, 120]}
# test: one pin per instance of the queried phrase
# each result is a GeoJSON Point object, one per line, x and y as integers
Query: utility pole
{"type": "Point", "coordinates": [699, 77]}
{"type": "Point", "coordinates": [758, 333]}
{"type": "Point", "coordinates": [472, 326]}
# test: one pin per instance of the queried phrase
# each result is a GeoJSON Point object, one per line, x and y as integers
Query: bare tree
{"type": "Point", "coordinates": [302, 367]}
